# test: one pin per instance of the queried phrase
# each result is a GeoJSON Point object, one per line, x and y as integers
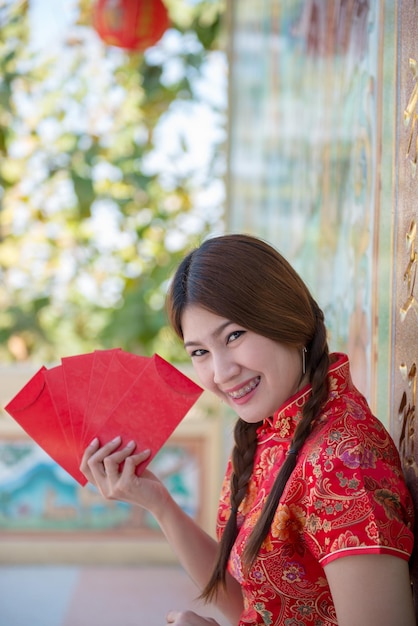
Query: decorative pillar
{"type": "Point", "coordinates": [405, 288]}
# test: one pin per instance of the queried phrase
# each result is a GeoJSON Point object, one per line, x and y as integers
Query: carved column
{"type": "Point", "coordinates": [405, 288]}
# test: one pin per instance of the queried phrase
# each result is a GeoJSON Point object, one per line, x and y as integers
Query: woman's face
{"type": "Point", "coordinates": [251, 373]}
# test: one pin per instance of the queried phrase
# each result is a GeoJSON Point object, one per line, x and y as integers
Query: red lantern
{"type": "Point", "coordinates": [131, 24]}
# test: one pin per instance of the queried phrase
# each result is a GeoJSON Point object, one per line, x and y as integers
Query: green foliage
{"type": "Point", "coordinates": [92, 219]}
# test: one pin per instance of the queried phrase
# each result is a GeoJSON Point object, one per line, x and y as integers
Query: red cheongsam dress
{"type": "Point", "coordinates": [346, 496]}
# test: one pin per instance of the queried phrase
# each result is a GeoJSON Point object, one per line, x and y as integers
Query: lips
{"type": "Point", "coordinates": [242, 391]}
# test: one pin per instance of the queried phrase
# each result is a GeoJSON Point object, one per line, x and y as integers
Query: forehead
{"type": "Point", "coordinates": [198, 323]}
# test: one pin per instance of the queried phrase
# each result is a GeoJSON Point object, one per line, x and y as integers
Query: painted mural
{"type": "Point", "coordinates": [36, 495]}
{"type": "Point", "coordinates": [304, 152]}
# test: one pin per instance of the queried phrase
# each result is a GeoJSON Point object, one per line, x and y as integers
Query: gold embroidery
{"type": "Point", "coordinates": [410, 273]}
{"type": "Point", "coordinates": [410, 118]}
{"type": "Point", "coordinates": [407, 410]}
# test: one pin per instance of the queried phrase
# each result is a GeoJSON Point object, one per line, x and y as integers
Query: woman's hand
{"type": "Point", "coordinates": [189, 618]}
{"type": "Point", "coordinates": [113, 472]}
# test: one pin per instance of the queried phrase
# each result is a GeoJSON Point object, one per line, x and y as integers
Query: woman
{"type": "Point", "coordinates": [315, 522]}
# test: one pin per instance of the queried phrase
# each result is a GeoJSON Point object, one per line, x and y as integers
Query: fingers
{"type": "Point", "coordinates": [132, 462]}
{"type": "Point", "coordinates": [111, 468]}
{"type": "Point", "coordinates": [111, 461]}
{"type": "Point", "coordinates": [188, 618]}
{"type": "Point", "coordinates": [92, 462]}
{"type": "Point", "coordinates": [89, 451]}
{"type": "Point", "coordinates": [177, 618]}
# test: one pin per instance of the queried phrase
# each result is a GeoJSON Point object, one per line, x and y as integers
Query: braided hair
{"type": "Point", "coordinates": [245, 280]}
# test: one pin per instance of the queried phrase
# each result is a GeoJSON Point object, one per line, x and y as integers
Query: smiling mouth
{"type": "Point", "coordinates": [240, 393]}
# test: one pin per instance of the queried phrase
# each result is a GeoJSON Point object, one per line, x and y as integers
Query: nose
{"type": "Point", "coordinates": [225, 368]}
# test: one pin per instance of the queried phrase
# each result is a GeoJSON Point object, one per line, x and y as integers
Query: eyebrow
{"type": "Point", "coordinates": [216, 333]}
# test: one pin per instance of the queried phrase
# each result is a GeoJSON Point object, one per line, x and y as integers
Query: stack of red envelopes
{"type": "Point", "coordinates": [103, 394]}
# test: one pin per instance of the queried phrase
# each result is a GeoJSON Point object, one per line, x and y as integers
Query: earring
{"type": "Point", "coordinates": [304, 351]}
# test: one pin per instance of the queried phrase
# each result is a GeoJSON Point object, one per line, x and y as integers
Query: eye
{"type": "Point", "coordinates": [234, 335]}
{"type": "Point", "coordinates": [198, 352]}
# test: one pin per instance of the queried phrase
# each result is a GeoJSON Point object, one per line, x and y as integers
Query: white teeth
{"type": "Point", "coordinates": [244, 390]}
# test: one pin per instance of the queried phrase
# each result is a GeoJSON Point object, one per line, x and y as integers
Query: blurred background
{"type": "Point", "coordinates": [113, 123]}
{"type": "Point", "coordinates": [130, 130]}
{"type": "Point", "coordinates": [112, 165]}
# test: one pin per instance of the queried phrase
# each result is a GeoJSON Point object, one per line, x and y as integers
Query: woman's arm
{"type": "Point", "coordinates": [371, 590]}
{"type": "Point", "coordinates": [113, 473]}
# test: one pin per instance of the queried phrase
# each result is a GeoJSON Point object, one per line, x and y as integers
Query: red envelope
{"type": "Point", "coordinates": [122, 371]}
{"type": "Point", "coordinates": [79, 373]}
{"type": "Point", "coordinates": [34, 410]}
{"type": "Point", "coordinates": [152, 408]}
{"type": "Point", "coordinates": [55, 382]}
{"type": "Point", "coordinates": [101, 362]}
{"type": "Point", "coordinates": [105, 394]}
{"type": "Point", "coordinates": [76, 373]}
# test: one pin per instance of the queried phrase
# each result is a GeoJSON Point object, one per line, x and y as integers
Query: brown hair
{"type": "Point", "coordinates": [245, 280]}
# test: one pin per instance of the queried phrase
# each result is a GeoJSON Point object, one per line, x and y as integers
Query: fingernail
{"type": "Point", "coordinates": [131, 444]}
{"type": "Point", "coordinates": [115, 439]}
{"type": "Point", "coordinates": [94, 442]}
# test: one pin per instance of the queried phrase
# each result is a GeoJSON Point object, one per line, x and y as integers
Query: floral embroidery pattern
{"type": "Point", "coordinates": [293, 572]}
{"type": "Point", "coordinates": [288, 523]}
{"type": "Point", "coordinates": [304, 610]}
{"type": "Point", "coordinates": [345, 496]}
{"type": "Point", "coordinates": [389, 501]}
{"type": "Point", "coordinates": [346, 540]}
{"type": "Point", "coordinates": [266, 615]}
{"type": "Point", "coordinates": [359, 456]}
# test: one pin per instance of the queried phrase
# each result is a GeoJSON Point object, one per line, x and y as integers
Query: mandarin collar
{"type": "Point", "coordinates": [339, 380]}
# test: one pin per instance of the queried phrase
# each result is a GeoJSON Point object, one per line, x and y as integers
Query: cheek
{"type": "Point", "coordinates": [204, 375]}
